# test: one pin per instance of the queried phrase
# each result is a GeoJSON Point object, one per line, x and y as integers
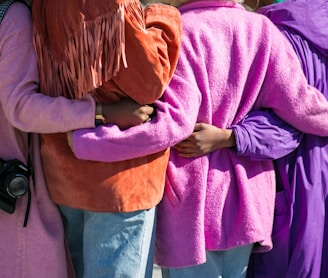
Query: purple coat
{"type": "Point", "coordinates": [300, 232]}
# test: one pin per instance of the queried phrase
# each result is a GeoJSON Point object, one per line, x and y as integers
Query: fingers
{"type": "Point", "coordinates": [185, 144]}
{"type": "Point", "coordinates": [148, 119]}
{"type": "Point", "coordinates": [198, 126]}
{"type": "Point", "coordinates": [189, 155]}
{"type": "Point", "coordinates": [146, 112]}
{"type": "Point", "coordinates": [187, 152]}
{"type": "Point", "coordinates": [184, 147]}
{"type": "Point", "coordinates": [70, 139]}
{"type": "Point", "coordinates": [147, 109]}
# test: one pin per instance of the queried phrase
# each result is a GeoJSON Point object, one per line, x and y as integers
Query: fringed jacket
{"type": "Point", "coordinates": [112, 49]}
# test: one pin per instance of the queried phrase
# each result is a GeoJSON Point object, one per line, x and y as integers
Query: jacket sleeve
{"type": "Point", "coordinates": [176, 115]}
{"type": "Point", "coordinates": [263, 135]}
{"type": "Point", "coordinates": [23, 106]}
{"type": "Point", "coordinates": [286, 90]}
{"type": "Point", "coordinates": [151, 53]}
{"type": "Point", "coordinates": [174, 121]}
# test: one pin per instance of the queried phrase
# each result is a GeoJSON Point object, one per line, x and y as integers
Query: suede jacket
{"type": "Point", "coordinates": [151, 46]}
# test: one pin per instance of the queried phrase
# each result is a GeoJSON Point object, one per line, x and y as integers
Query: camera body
{"type": "Point", "coordinates": [14, 183]}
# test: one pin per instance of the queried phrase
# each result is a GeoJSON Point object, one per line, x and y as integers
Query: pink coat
{"type": "Point", "coordinates": [38, 249]}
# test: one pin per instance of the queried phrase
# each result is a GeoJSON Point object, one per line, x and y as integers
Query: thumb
{"type": "Point", "coordinates": [198, 126]}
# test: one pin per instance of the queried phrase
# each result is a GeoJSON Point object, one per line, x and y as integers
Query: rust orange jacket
{"type": "Point", "coordinates": [112, 49]}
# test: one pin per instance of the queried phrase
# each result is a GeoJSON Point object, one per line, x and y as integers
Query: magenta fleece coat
{"type": "Point", "coordinates": [36, 250]}
{"type": "Point", "coordinates": [231, 62]}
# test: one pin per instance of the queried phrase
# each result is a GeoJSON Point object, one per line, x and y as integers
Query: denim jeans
{"type": "Point", "coordinates": [104, 245]}
{"type": "Point", "coordinates": [230, 263]}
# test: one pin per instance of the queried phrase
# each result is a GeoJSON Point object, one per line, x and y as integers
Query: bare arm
{"type": "Point", "coordinates": [206, 138]}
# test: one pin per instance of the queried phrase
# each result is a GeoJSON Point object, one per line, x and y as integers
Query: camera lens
{"type": "Point", "coordinates": [17, 186]}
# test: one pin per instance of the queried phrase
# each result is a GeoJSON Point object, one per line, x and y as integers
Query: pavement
{"type": "Point", "coordinates": [157, 272]}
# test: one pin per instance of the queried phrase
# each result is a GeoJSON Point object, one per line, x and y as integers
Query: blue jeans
{"type": "Point", "coordinates": [110, 244]}
{"type": "Point", "coordinates": [230, 263]}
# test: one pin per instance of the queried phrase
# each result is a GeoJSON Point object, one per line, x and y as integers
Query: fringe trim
{"type": "Point", "coordinates": [93, 55]}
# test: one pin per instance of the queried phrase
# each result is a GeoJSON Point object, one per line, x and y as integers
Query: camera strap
{"type": "Point", "coordinates": [29, 166]}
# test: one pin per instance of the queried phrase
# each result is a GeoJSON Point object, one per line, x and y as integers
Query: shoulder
{"type": "Point", "coordinates": [19, 14]}
{"type": "Point", "coordinates": [17, 17]}
{"type": "Point", "coordinates": [16, 28]}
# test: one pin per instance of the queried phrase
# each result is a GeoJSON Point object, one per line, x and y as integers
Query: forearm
{"type": "Point", "coordinates": [286, 91]}
{"type": "Point", "coordinates": [263, 135]}
{"type": "Point", "coordinates": [174, 122]}
{"type": "Point", "coordinates": [23, 106]}
{"type": "Point", "coordinates": [42, 114]}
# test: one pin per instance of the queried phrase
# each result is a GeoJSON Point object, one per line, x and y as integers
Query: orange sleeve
{"type": "Point", "coordinates": [151, 53]}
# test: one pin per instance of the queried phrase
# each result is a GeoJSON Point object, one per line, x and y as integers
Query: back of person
{"type": "Point", "coordinates": [111, 50]}
{"type": "Point", "coordinates": [36, 250]}
{"type": "Point", "coordinates": [230, 63]}
{"type": "Point", "coordinates": [301, 203]}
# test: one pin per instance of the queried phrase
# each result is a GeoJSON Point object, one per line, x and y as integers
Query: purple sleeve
{"type": "Point", "coordinates": [263, 135]}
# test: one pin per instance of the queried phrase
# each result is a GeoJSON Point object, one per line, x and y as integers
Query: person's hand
{"type": "Point", "coordinates": [70, 139]}
{"type": "Point", "coordinates": [127, 113]}
{"type": "Point", "coordinates": [206, 138]}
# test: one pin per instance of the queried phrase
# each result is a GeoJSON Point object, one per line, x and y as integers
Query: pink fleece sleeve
{"type": "Point", "coordinates": [24, 107]}
{"type": "Point", "coordinates": [175, 120]}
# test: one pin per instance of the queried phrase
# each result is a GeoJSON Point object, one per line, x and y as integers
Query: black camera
{"type": "Point", "coordinates": [14, 183]}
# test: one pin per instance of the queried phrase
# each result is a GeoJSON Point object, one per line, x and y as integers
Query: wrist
{"type": "Point", "coordinates": [230, 139]}
{"type": "Point", "coordinates": [99, 117]}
